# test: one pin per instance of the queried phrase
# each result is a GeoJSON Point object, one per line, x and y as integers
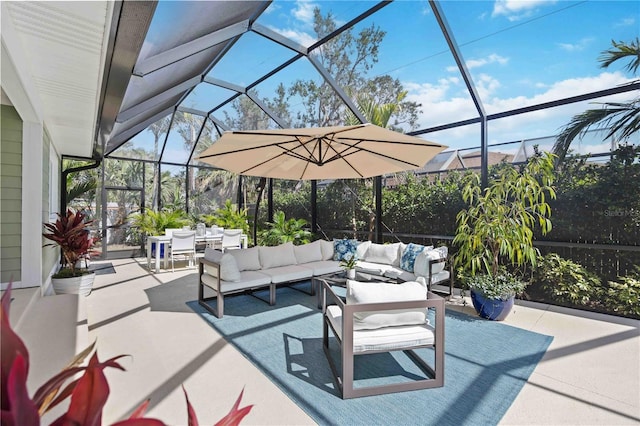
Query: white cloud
{"type": "Point", "coordinates": [516, 10]}
{"type": "Point", "coordinates": [446, 102]}
{"type": "Point", "coordinates": [304, 11]}
{"type": "Point", "coordinates": [576, 47]}
{"type": "Point", "coordinates": [300, 37]}
{"type": "Point", "coordinates": [626, 22]}
{"type": "Point", "coordinates": [476, 63]}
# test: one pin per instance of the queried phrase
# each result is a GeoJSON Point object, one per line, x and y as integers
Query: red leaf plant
{"type": "Point", "coordinates": [70, 232]}
{"type": "Point", "coordinates": [88, 393]}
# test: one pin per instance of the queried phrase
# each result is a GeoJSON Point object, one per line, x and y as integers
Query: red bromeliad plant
{"type": "Point", "coordinates": [88, 393]}
{"type": "Point", "coordinates": [70, 233]}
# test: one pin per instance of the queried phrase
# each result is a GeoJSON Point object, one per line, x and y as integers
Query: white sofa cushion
{"type": "Point", "coordinates": [362, 248]}
{"type": "Point", "coordinates": [383, 339]}
{"type": "Point", "coordinates": [421, 265]}
{"type": "Point", "coordinates": [327, 249]}
{"type": "Point", "coordinates": [283, 274]}
{"type": "Point", "coordinates": [366, 292]}
{"type": "Point", "coordinates": [247, 259]}
{"type": "Point", "coordinates": [399, 274]}
{"type": "Point", "coordinates": [323, 267]}
{"type": "Point", "coordinates": [306, 253]}
{"type": "Point", "coordinates": [228, 267]}
{"type": "Point", "coordinates": [388, 254]}
{"type": "Point", "coordinates": [272, 257]}
{"type": "Point", "coordinates": [248, 279]}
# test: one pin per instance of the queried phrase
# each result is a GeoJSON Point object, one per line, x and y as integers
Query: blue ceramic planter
{"type": "Point", "coordinates": [492, 309]}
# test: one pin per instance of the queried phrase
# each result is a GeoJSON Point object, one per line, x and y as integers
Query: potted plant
{"type": "Point", "coordinates": [70, 233]}
{"type": "Point", "coordinates": [348, 263]}
{"type": "Point", "coordinates": [496, 231]}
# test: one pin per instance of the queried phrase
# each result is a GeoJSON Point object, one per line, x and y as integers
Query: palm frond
{"type": "Point", "coordinates": [622, 50]}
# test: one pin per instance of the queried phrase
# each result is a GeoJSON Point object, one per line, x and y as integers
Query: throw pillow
{"type": "Point", "coordinates": [367, 292]}
{"type": "Point", "coordinates": [246, 259]}
{"type": "Point", "coordinates": [306, 253]}
{"type": "Point", "coordinates": [421, 265]}
{"type": "Point", "coordinates": [282, 255]}
{"type": "Point", "coordinates": [409, 254]}
{"type": "Point", "coordinates": [387, 254]}
{"type": "Point", "coordinates": [228, 267]}
{"type": "Point", "coordinates": [342, 247]}
{"type": "Point", "coordinates": [327, 249]}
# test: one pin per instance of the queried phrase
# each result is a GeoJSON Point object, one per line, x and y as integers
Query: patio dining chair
{"type": "Point", "coordinates": [183, 243]}
{"type": "Point", "coordinates": [379, 318]}
{"type": "Point", "coordinates": [231, 239]}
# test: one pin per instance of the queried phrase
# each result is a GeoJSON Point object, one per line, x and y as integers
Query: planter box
{"type": "Point", "coordinates": [81, 285]}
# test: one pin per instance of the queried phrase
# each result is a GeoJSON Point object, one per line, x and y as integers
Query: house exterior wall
{"type": "Point", "coordinates": [10, 195]}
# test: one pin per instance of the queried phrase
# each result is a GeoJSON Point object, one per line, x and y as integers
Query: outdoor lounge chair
{"type": "Point", "coordinates": [371, 327]}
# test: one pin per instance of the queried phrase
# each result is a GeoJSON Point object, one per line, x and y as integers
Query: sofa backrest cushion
{"type": "Point", "coordinates": [388, 254]}
{"type": "Point", "coordinates": [247, 259]}
{"type": "Point", "coordinates": [362, 248]}
{"type": "Point", "coordinates": [306, 253]}
{"type": "Point", "coordinates": [421, 264]}
{"type": "Point", "coordinates": [282, 255]}
{"type": "Point", "coordinates": [228, 267]}
{"type": "Point", "coordinates": [327, 249]}
{"type": "Point", "coordinates": [368, 292]}
{"type": "Point", "coordinates": [344, 248]}
{"type": "Point", "coordinates": [409, 253]}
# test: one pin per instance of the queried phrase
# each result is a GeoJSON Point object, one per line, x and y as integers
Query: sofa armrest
{"type": "Point", "coordinates": [213, 270]}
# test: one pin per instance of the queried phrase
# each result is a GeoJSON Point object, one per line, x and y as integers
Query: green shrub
{"type": "Point", "coordinates": [228, 217]}
{"type": "Point", "coordinates": [624, 296]}
{"type": "Point", "coordinates": [565, 281]}
{"type": "Point", "coordinates": [282, 231]}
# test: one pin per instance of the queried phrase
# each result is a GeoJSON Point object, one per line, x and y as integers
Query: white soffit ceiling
{"type": "Point", "coordinates": [63, 43]}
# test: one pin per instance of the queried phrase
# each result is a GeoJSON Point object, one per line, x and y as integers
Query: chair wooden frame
{"type": "Point", "coordinates": [344, 379]}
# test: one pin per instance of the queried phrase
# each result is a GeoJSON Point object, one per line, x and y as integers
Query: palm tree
{"type": "Point", "coordinates": [622, 118]}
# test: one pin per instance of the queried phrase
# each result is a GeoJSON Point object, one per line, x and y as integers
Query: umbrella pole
{"type": "Point", "coordinates": [260, 189]}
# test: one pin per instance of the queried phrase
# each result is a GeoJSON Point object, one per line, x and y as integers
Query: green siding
{"type": "Point", "coordinates": [10, 194]}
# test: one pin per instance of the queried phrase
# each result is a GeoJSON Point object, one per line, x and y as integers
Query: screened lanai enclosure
{"type": "Point", "coordinates": [495, 81]}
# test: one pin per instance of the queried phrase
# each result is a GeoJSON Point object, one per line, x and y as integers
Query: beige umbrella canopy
{"type": "Point", "coordinates": [340, 152]}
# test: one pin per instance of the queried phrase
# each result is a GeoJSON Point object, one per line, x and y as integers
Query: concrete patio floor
{"type": "Point", "coordinates": [590, 374]}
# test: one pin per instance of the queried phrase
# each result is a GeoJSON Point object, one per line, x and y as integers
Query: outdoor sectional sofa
{"type": "Point", "coordinates": [260, 267]}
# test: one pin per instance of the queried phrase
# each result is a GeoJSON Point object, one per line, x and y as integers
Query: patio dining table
{"type": "Point", "coordinates": [163, 242]}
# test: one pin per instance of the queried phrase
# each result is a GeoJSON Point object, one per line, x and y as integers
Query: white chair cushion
{"type": "Point", "coordinates": [327, 249]}
{"type": "Point", "coordinates": [272, 257]}
{"type": "Point", "coordinates": [283, 274]}
{"type": "Point", "coordinates": [383, 253]}
{"type": "Point", "coordinates": [421, 265]}
{"type": "Point", "coordinates": [383, 339]}
{"type": "Point", "coordinates": [399, 273]}
{"type": "Point", "coordinates": [228, 267]}
{"type": "Point", "coordinates": [365, 292]}
{"type": "Point", "coordinates": [247, 259]}
{"type": "Point", "coordinates": [306, 253]}
{"type": "Point", "coordinates": [372, 268]}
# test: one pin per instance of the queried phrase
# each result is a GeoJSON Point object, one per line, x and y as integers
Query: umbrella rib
{"type": "Point", "coordinates": [342, 154]}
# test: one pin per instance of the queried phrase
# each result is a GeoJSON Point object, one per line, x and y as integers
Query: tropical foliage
{"type": "Point", "coordinates": [228, 216]}
{"type": "Point", "coordinates": [497, 227]}
{"type": "Point", "coordinates": [70, 233]}
{"type": "Point", "coordinates": [621, 119]}
{"type": "Point", "coordinates": [283, 230]}
{"type": "Point", "coordinates": [85, 385]}
{"type": "Point", "coordinates": [155, 222]}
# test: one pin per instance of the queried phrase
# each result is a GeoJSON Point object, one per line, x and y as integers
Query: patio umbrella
{"type": "Point", "coordinates": [339, 152]}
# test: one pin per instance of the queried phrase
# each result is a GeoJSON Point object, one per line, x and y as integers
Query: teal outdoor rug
{"type": "Point", "coordinates": [486, 364]}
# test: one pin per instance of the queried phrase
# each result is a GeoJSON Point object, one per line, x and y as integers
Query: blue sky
{"type": "Point", "coordinates": [519, 53]}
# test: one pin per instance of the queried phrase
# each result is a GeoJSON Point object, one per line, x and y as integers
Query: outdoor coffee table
{"type": "Point", "coordinates": [339, 279]}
